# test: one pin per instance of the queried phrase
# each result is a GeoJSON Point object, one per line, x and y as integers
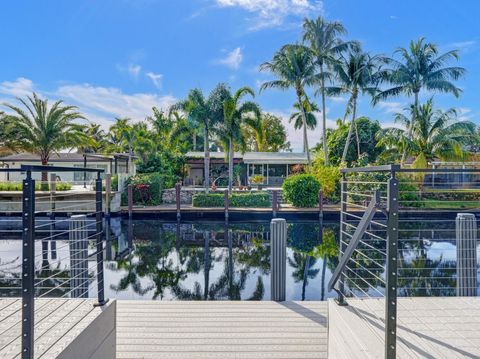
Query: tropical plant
{"type": "Point", "coordinates": [266, 134]}
{"type": "Point", "coordinates": [420, 67]}
{"type": "Point", "coordinates": [294, 67]}
{"type": "Point", "coordinates": [356, 74]}
{"type": "Point", "coordinates": [301, 190]}
{"type": "Point", "coordinates": [297, 117]}
{"type": "Point", "coordinates": [433, 134]}
{"type": "Point", "coordinates": [96, 140]}
{"type": "Point", "coordinates": [324, 39]}
{"type": "Point", "coordinates": [43, 129]}
{"type": "Point", "coordinates": [236, 112]}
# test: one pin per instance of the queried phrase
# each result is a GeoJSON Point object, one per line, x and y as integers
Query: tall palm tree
{"type": "Point", "coordinates": [420, 67]}
{"type": "Point", "coordinates": [43, 129]}
{"type": "Point", "coordinates": [96, 139]}
{"type": "Point", "coordinates": [258, 126]}
{"type": "Point", "coordinates": [198, 111]}
{"type": "Point", "coordinates": [294, 67]}
{"type": "Point", "coordinates": [324, 39]}
{"type": "Point", "coordinates": [356, 74]}
{"type": "Point", "coordinates": [297, 117]}
{"type": "Point", "coordinates": [230, 131]}
{"type": "Point", "coordinates": [433, 134]}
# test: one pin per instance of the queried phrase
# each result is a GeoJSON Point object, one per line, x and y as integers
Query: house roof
{"type": "Point", "coordinates": [63, 157]}
{"type": "Point", "coordinates": [259, 157]}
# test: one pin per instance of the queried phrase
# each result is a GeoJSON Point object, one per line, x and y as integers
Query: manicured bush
{"type": "Point", "coordinates": [148, 188]}
{"type": "Point", "coordinates": [17, 186]}
{"type": "Point", "coordinates": [249, 199]}
{"type": "Point", "coordinates": [301, 190]}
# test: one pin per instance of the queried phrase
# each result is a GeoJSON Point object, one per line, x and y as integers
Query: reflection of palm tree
{"type": "Point", "coordinates": [303, 264]}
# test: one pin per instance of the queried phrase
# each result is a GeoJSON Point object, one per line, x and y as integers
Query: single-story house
{"type": "Point", "coordinates": [274, 167]}
{"type": "Point", "coordinates": [115, 163]}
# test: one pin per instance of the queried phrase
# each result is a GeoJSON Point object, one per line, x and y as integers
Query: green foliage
{"type": "Point", "coordinates": [248, 199]}
{"type": "Point", "coordinates": [301, 190]}
{"type": "Point", "coordinates": [329, 177]}
{"type": "Point", "coordinates": [367, 130]}
{"type": "Point", "coordinates": [265, 134]}
{"type": "Point", "coordinates": [148, 188]}
{"type": "Point", "coordinates": [17, 186]}
{"type": "Point", "coordinates": [115, 182]}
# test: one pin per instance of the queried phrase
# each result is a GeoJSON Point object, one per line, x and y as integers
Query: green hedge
{"type": "Point", "coordinates": [17, 186]}
{"type": "Point", "coordinates": [148, 188]}
{"type": "Point", "coordinates": [254, 199]}
{"type": "Point", "coordinates": [301, 190]}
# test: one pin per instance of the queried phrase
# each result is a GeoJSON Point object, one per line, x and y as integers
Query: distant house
{"type": "Point", "coordinates": [274, 167]}
{"type": "Point", "coordinates": [111, 163]}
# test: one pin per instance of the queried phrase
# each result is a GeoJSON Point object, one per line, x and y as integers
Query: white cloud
{"type": "Point", "coordinates": [296, 136]}
{"type": "Point", "coordinates": [156, 79]}
{"type": "Point", "coordinates": [111, 102]}
{"type": "Point", "coordinates": [233, 59]}
{"type": "Point", "coordinates": [99, 104]}
{"type": "Point", "coordinates": [18, 88]}
{"type": "Point", "coordinates": [391, 107]}
{"type": "Point", "coordinates": [134, 70]}
{"type": "Point", "coordinates": [269, 13]}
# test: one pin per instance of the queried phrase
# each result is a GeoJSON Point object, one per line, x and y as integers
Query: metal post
{"type": "Point", "coordinates": [130, 200]}
{"type": "Point", "coordinates": [391, 269]}
{"type": "Point", "coordinates": [278, 258]}
{"type": "Point", "coordinates": [343, 246]}
{"type": "Point", "coordinates": [274, 203]}
{"type": "Point", "coordinates": [108, 193]}
{"type": "Point", "coordinates": [226, 204]}
{"type": "Point", "coordinates": [53, 190]}
{"type": "Point", "coordinates": [466, 240]}
{"type": "Point", "coordinates": [28, 266]}
{"type": "Point", "coordinates": [99, 230]}
{"type": "Point", "coordinates": [177, 199]}
{"type": "Point", "coordinates": [320, 206]}
{"type": "Point", "coordinates": [84, 172]}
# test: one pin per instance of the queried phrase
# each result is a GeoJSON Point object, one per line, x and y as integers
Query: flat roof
{"type": "Point", "coordinates": [259, 157]}
{"type": "Point", "coordinates": [64, 157]}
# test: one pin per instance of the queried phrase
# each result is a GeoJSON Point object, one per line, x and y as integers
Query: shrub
{"type": "Point", "coordinates": [250, 199]}
{"type": "Point", "coordinates": [329, 178]}
{"type": "Point", "coordinates": [17, 186]}
{"type": "Point", "coordinates": [148, 188]}
{"type": "Point", "coordinates": [301, 190]}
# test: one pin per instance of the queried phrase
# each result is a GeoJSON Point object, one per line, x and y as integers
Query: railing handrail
{"type": "Point", "coordinates": [398, 168]}
{"type": "Point", "coordinates": [357, 236]}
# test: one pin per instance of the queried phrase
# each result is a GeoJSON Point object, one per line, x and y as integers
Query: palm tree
{"type": "Point", "coordinates": [323, 38]}
{"type": "Point", "coordinates": [96, 140]}
{"type": "Point", "coordinates": [43, 130]}
{"type": "Point", "coordinates": [230, 131]}
{"type": "Point", "coordinates": [433, 134]}
{"type": "Point", "coordinates": [294, 67]}
{"type": "Point", "coordinates": [356, 73]}
{"type": "Point", "coordinates": [198, 111]}
{"type": "Point", "coordinates": [297, 117]}
{"type": "Point", "coordinates": [122, 136]}
{"type": "Point", "coordinates": [258, 126]}
{"type": "Point", "coordinates": [420, 67]}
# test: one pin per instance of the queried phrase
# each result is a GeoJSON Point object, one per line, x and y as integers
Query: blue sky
{"type": "Point", "coordinates": [116, 58]}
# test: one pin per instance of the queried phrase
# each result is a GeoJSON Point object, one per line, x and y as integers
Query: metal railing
{"type": "Point", "coordinates": [389, 218]}
{"type": "Point", "coordinates": [62, 245]}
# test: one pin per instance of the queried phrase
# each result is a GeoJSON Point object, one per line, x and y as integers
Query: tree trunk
{"type": "Point", "coordinates": [324, 120]}
{"type": "Point", "coordinates": [44, 181]}
{"type": "Point", "coordinates": [305, 138]}
{"type": "Point", "coordinates": [410, 128]}
{"type": "Point", "coordinates": [350, 130]}
{"type": "Point", "coordinates": [206, 161]}
{"type": "Point", "coordinates": [230, 165]}
{"type": "Point", "coordinates": [306, 268]}
{"type": "Point", "coordinates": [358, 141]}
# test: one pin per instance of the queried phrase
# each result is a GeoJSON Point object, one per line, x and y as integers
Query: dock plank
{"type": "Point", "coordinates": [196, 330]}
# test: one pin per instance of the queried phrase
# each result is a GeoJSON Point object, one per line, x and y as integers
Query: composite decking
{"type": "Point", "coordinates": [62, 327]}
{"type": "Point", "coordinates": [434, 327]}
{"type": "Point", "coordinates": [221, 329]}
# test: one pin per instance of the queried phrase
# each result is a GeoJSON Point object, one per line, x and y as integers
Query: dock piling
{"type": "Point", "coordinates": [130, 200]}
{"type": "Point", "coordinates": [278, 258]}
{"type": "Point", "coordinates": [466, 240]}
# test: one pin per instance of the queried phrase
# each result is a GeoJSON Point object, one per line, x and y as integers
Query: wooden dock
{"type": "Point", "coordinates": [221, 329]}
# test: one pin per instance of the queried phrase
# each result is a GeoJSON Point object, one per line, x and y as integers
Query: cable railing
{"type": "Point", "coordinates": [54, 247]}
{"type": "Point", "coordinates": [407, 232]}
